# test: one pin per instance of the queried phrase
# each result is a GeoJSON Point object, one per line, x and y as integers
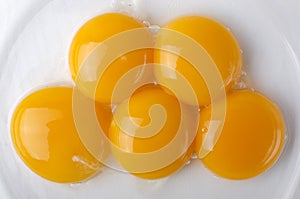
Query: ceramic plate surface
{"type": "Point", "coordinates": [34, 42]}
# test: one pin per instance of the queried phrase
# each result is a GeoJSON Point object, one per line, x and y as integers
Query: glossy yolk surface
{"type": "Point", "coordinates": [251, 140]}
{"type": "Point", "coordinates": [45, 137]}
{"type": "Point", "coordinates": [220, 45]}
{"type": "Point", "coordinates": [98, 30]}
{"type": "Point", "coordinates": [139, 107]}
{"type": "Point", "coordinates": [104, 116]}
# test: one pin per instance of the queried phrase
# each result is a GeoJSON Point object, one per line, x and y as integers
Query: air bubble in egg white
{"type": "Point", "coordinates": [128, 7]}
{"type": "Point", "coordinates": [122, 4]}
{"type": "Point", "coordinates": [194, 156]}
{"type": "Point", "coordinates": [244, 73]}
{"type": "Point", "coordinates": [154, 28]}
{"type": "Point", "coordinates": [75, 185]}
{"type": "Point", "coordinates": [243, 82]}
{"type": "Point", "coordinates": [240, 85]}
{"type": "Point", "coordinates": [188, 162]}
{"type": "Point", "coordinates": [146, 23]}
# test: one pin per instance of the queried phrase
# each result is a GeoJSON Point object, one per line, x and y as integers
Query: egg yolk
{"type": "Point", "coordinates": [95, 32]}
{"type": "Point", "coordinates": [218, 42]}
{"type": "Point", "coordinates": [251, 140]}
{"type": "Point", "coordinates": [139, 109]}
{"type": "Point", "coordinates": [45, 136]}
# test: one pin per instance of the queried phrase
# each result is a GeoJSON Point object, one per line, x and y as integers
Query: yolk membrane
{"type": "Point", "coordinates": [251, 140]}
{"type": "Point", "coordinates": [89, 36]}
{"type": "Point", "coordinates": [141, 111]}
{"type": "Point", "coordinates": [45, 136]}
{"type": "Point", "coordinates": [220, 45]}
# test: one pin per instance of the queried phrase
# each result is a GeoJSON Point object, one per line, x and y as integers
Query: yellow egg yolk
{"type": "Point", "coordinates": [45, 136]}
{"type": "Point", "coordinates": [220, 45]}
{"type": "Point", "coordinates": [251, 140]}
{"type": "Point", "coordinates": [95, 32]}
{"type": "Point", "coordinates": [152, 139]}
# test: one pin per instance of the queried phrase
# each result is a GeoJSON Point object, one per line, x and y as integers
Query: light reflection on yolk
{"type": "Point", "coordinates": [251, 140]}
{"type": "Point", "coordinates": [96, 31]}
{"type": "Point", "coordinates": [219, 43]}
{"type": "Point", "coordinates": [45, 137]}
{"type": "Point", "coordinates": [139, 105]}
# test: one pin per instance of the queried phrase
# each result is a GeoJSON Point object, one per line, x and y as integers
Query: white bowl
{"type": "Point", "coordinates": [33, 53]}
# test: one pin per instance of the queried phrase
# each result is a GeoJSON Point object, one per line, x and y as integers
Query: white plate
{"type": "Point", "coordinates": [33, 53]}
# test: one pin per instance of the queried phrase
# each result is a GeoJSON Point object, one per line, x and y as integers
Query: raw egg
{"type": "Point", "coordinates": [97, 31]}
{"type": "Point", "coordinates": [219, 44]}
{"type": "Point", "coordinates": [45, 136]}
{"type": "Point", "coordinates": [149, 123]}
{"type": "Point", "coordinates": [251, 140]}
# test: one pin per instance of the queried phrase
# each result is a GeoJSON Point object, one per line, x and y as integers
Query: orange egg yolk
{"type": "Point", "coordinates": [251, 140]}
{"type": "Point", "coordinates": [140, 113]}
{"type": "Point", "coordinates": [220, 45]}
{"type": "Point", "coordinates": [88, 37]}
{"type": "Point", "coordinates": [45, 136]}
